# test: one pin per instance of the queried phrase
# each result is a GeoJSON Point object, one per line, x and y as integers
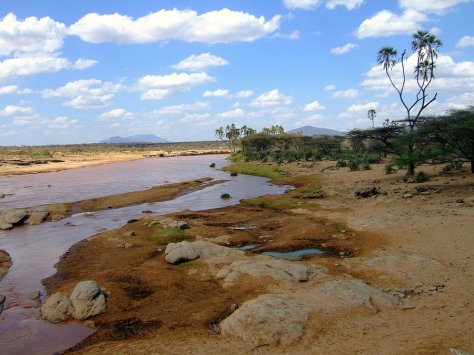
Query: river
{"type": "Point", "coordinates": [35, 249]}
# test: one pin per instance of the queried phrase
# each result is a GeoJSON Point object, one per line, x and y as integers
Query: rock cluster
{"type": "Point", "coordinates": [86, 300]}
{"type": "Point", "coordinates": [367, 192]}
{"type": "Point", "coordinates": [15, 217]}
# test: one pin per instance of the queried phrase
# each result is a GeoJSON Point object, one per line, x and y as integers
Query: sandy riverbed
{"type": "Point", "coordinates": [413, 242]}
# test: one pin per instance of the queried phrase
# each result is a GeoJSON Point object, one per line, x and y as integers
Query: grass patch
{"type": "Point", "coordinates": [255, 170]}
{"type": "Point", "coordinates": [167, 235]}
{"type": "Point", "coordinates": [272, 203]}
{"type": "Point", "coordinates": [339, 227]}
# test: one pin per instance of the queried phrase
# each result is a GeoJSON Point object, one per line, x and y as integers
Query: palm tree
{"type": "Point", "coordinates": [371, 115]}
{"type": "Point", "coordinates": [386, 57]}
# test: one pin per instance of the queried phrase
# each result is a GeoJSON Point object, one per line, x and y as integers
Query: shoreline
{"type": "Point", "coordinates": [393, 242]}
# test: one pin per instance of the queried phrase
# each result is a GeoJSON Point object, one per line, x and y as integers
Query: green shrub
{"type": "Point", "coordinates": [167, 235]}
{"type": "Point", "coordinates": [447, 168]}
{"type": "Point", "coordinates": [341, 163]}
{"type": "Point", "coordinates": [389, 169]}
{"type": "Point", "coordinates": [354, 163]}
{"type": "Point", "coordinates": [212, 165]}
{"type": "Point", "coordinates": [421, 176]}
{"type": "Point", "coordinates": [234, 173]}
{"type": "Point", "coordinates": [366, 165]}
{"type": "Point", "coordinates": [225, 196]}
{"type": "Point", "coordinates": [458, 165]}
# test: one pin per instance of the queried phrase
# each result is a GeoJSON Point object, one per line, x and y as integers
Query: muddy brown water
{"type": "Point", "coordinates": [35, 249]}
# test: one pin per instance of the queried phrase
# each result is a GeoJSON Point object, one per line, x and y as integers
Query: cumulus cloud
{"type": "Point", "coordinates": [222, 26]}
{"type": "Point", "coordinates": [216, 93]}
{"type": "Point", "coordinates": [436, 6]}
{"type": "Point", "coordinates": [12, 110]}
{"type": "Point", "coordinates": [115, 114]}
{"type": "Point", "coordinates": [198, 119]}
{"type": "Point", "coordinates": [200, 62]}
{"type": "Point", "coordinates": [292, 35]}
{"type": "Point", "coordinates": [63, 122]}
{"type": "Point", "coordinates": [24, 66]}
{"type": "Point", "coordinates": [344, 49]}
{"type": "Point", "coordinates": [159, 87]}
{"type": "Point", "coordinates": [313, 106]}
{"type": "Point", "coordinates": [349, 4]}
{"type": "Point", "coordinates": [460, 102]}
{"type": "Point", "coordinates": [330, 87]}
{"type": "Point", "coordinates": [302, 4]}
{"type": "Point", "coordinates": [175, 110]}
{"type": "Point", "coordinates": [357, 109]}
{"type": "Point", "coordinates": [349, 93]}
{"type": "Point", "coordinates": [11, 89]}
{"type": "Point", "coordinates": [466, 41]}
{"type": "Point", "coordinates": [386, 23]}
{"type": "Point", "coordinates": [244, 93]}
{"type": "Point", "coordinates": [234, 114]}
{"type": "Point", "coordinates": [85, 94]}
{"type": "Point", "coordinates": [271, 98]}
{"type": "Point", "coordinates": [32, 34]}
{"type": "Point", "coordinates": [451, 76]}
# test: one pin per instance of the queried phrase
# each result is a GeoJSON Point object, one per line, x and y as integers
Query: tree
{"type": "Point", "coordinates": [425, 45]}
{"type": "Point", "coordinates": [230, 135]}
{"type": "Point", "coordinates": [371, 114]}
{"type": "Point", "coordinates": [273, 130]}
{"type": "Point", "coordinates": [454, 131]}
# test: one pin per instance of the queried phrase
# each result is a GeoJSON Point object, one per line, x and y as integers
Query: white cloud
{"type": "Point", "coordinates": [461, 102]}
{"type": "Point", "coordinates": [466, 41]}
{"type": "Point", "coordinates": [12, 110]}
{"type": "Point", "coordinates": [11, 89]}
{"type": "Point", "coordinates": [349, 93]}
{"type": "Point", "coordinates": [159, 87]}
{"type": "Point", "coordinates": [244, 93]}
{"type": "Point", "coordinates": [436, 6]}
{"type": "Point", "coordinates": [176, 110]}
{"type": "Point", "coordinates": [23, 66]}
{"type": "Point", "coordinates": [349, 4]}
{"type": "Point", "coordinates": [216, 93]}
{"type": "Point", "coordinates": [292, 35]}
{"type": "Point", "coordinates": [115, 114]}
{"type": "Point", "coordinates": [450, 76]}
{"type": "Point", "coordinates": [63, 122]}
{"type": "Point", "coordinates": [358, 109]}
{"type": "Point", "coordinates": [330, 87]}
{"type": "Point", "coordinates": [237, 113]}
{"type": "Point", "coordinates": [271, 99]}
{"type": "Point", "coordinates": [313, 106]}
{"type": "Point", "coordinates": [344, 49]}
{"type": "Point", "coordinates": [221, 26]}
{"type": "Point", "coordinates": [85, 94]}
{"type": "Point", "coordinates": [386, 23]}
{"type": "Point", "coordinates": [42, 35]}
{"type": "Point", "coordinates": [302, 4]}
{"type": "Point", "coordinates": [199, 119]}
{"type": "Point", "coordinates": [200, 62]}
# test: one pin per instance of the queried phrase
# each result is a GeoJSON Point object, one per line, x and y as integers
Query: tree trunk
{"type": "Point", "coordinates": [411, 163]}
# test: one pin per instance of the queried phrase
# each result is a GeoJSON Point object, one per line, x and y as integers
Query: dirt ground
{"type": "Point", "coordinates": [413, 241]}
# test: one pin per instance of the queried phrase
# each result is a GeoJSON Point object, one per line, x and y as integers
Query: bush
{"type": "Point", "coordinates": [225, 196]}
{"type": "Point", "coordinates": [447, 168]}
{"type": "Point", "coordinates": [458, 165]}
{"type": "Point", "coordinates": [366, 165]}
{"type": "Point", "coordinates": [421, 176]}
{"type": "Point", "coordinates": [212, 165]}
{"type": "Point", "coordinates": [234, 173]}
{"type": "Point", "coordinates": [341, 163]}
{"type": "Point", "coordinates": [354, 163]}
{"type": "Point", "coordinates": [389, 169]}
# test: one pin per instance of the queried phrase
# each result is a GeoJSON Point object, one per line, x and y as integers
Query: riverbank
{"type": "Point", "coordinates": [395, 262]}
{"type": "Point", "coordinates": [20, 162]}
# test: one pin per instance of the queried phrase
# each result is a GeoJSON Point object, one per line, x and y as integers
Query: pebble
{"type": "Point", "coordinates": [129, 234]}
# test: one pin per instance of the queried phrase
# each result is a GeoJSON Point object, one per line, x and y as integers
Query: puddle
{"type": "Point", "coordinates": [242, 228]}
{"type": "Point", "coordinates": [245, 247]}
{"type": "Point", "coordinates": [293, 255]}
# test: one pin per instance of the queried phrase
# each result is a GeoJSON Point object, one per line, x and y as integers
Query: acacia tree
{"type": "Point", "coordinates": [425, 45]}
{"type": "Point", "coordinates": [231, 134]}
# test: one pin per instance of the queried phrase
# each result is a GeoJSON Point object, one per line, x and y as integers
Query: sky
{"type": "Point", "coordinates": [84, 71]}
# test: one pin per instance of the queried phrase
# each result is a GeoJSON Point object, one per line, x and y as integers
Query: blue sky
{"type": "Point", "coordinates": [83, 71]}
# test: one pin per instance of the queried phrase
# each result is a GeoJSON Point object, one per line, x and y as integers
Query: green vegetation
{"type": "Point", "coordinates": [421, 176]}
{"type": "Point", "coordinates": [212, 165]}
{"type": "Point", "coordinates": [272, 203]}
{"type": "Point", "coordinates": [254, 169]}
{"type": "Point", "coordinates": [167, 235]}
{"type": "Point", "coordinates": [225, 196]}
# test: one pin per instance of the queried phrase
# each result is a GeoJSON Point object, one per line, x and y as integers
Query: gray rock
{"type": "Point", "coordinates": [87, 300]}
{"type": "Point", "coordinates": [2, 195]}
{"type": "Point", "coordinates": [407, 195]}
{"type": "Point", "coordinates": [14, 216]}
{"type": "Point", "coordinates": [176, 253]}
{"type": "Point", "coordinates": [5, 226]}
{"type": "Point", "coordinates": [56, 308]}
{"type": "Point", "coordinates": [35, 295]}
{"type": "Point", "coordinates": [129, 234]}
{"type": "Point", "coordinates": [267, 320]}
{"type": "Point", "coordinates": [37, 217]}
{"type": "Point", "coordinates": [367, 192]}
{"type": "Point", "coordinates": [172, 223]}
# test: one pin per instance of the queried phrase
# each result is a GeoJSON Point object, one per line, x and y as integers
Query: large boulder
{"type": "Point", "coordinates": [56, 308]}
{"type": "Point", "coordinates": [5, 226]}
{"type": "Point", "coordinates": [37, 217]}
{"type": "Point", "coordinates": [87, 300]}
{"type": "Point", "coordinates": [176, 253]}
{"type": "Point", "coordinates": [267, 320]}
{"type": "Point", "coordinates": [14, 216]}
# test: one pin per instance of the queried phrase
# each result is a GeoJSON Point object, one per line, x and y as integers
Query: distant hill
{"type": "Point", "coordinates": [144, 138]}
{"type": "Point", "coordinates": [311, 131]}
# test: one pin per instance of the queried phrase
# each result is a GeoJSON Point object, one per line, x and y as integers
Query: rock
{"type": "Point", "coordinates": [37, 217]}
{"type": "Point", "coordinates": [5, 226]}
{"type": "Point", "coordinates": [2, 195]}
{"type": "Point", "coordinates": [129, 234]}
{"type": "Point", "coordinates": [35, 295]}
{"type": "Point", "coordinates": [87, 300]}
{"type": "Point", "coordinates": [176, 253]}
{"type": "Point", "coordinates": [357, 292]}
{"type": "Point", "coordinates": [147, 211]}
{"type": "Point", "coordinates": [14, 217]}
{"type": "Point", "coordinates": [172, 223]}
{"type": "Point", "coordinates": [56, 217]}
{"type": "Point", "coordinates": [56, 308]}
{"type": "Point", "coordinates": [276, 269]}
{"type": "Point", "coordinates": [267, 320]}
{"type": "Point", "coordinates": [407, 195]}
{"type": "Point", "coordinates": [367, 192]}
{"type": "Point", "coordinates": [2, 302]}
{"type": "Point", "coordinates": [133, 220]}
